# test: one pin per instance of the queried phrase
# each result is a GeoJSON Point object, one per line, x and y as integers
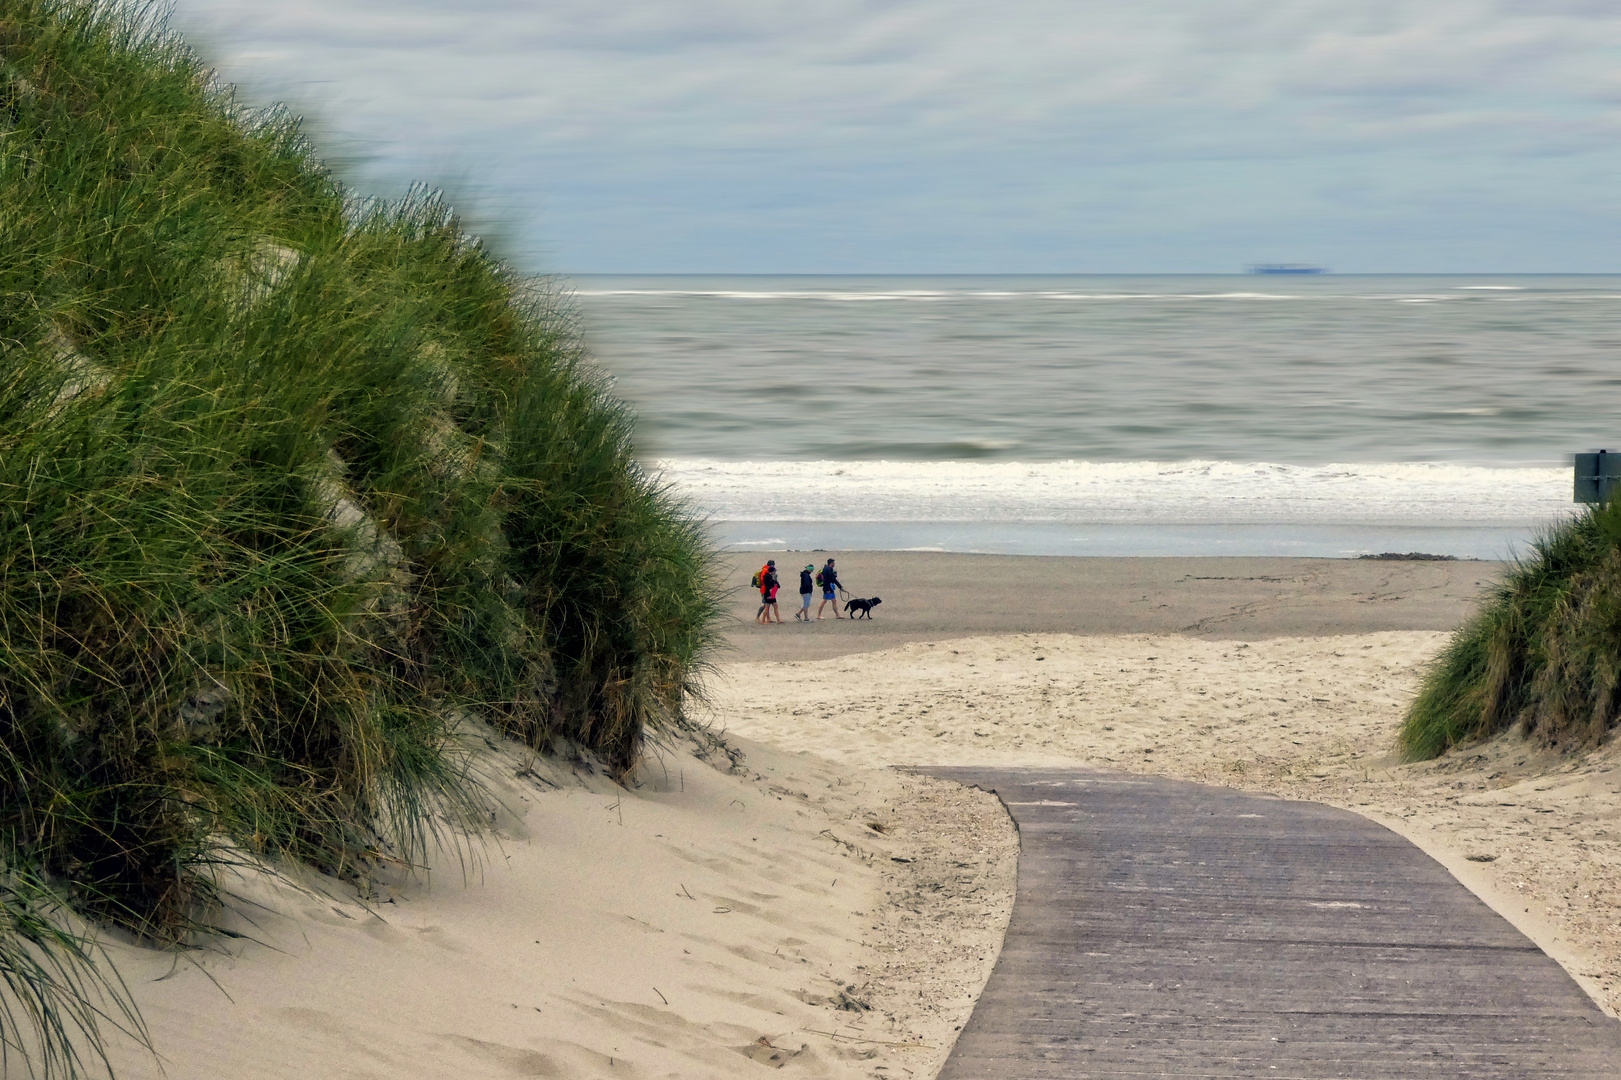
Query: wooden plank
{"type": "Point", "coordinates": [1170, 929]}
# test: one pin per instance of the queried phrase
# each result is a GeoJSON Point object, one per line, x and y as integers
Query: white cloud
{"type": "Point", "coordinates": [585, 109]}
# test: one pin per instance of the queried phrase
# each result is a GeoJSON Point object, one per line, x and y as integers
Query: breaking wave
{"type": "Point", "coordinates": [1132, 492]}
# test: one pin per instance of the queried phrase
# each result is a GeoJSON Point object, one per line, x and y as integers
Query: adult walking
{"type": "Point", "coordinates": [829, 578]}
{"type": "Point", "coordinates": [806, 586]}
{"type": "Point", "coordinates": [768, 593]}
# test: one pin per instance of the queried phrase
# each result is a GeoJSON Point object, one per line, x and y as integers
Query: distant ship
{"type": "Point", "coordinates": [1285, 268]}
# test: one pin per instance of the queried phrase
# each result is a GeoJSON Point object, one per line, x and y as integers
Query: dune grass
{"type": "Point", "coordinates": [290, 484]}
{"type": "Point", "coordinates": [1543, 654]}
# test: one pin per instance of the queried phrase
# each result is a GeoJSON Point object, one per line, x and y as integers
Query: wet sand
{"type": "Point", "coordinates": [931, 596]}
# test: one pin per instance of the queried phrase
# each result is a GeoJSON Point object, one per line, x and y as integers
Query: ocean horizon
{"type": "Point", "coordinates": [1328, 415]}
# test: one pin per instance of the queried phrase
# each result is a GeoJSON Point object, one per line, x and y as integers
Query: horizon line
{"type": "Point", "coordinates": [1075, 273]}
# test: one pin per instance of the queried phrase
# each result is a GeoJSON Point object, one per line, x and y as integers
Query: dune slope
{"type": "Point", "coordinates": [713, 917]}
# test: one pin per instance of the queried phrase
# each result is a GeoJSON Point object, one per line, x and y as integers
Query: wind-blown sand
{"type": "Point", "coordinates": [668, 927]}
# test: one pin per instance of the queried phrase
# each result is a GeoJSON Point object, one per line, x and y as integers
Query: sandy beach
{"type": "Point", "coordinates": [786, 898]}
{"type": "Point", "coordinates": [934, 596]}
{"type": "Point", "coordinates": [393, 415]}
{"type": "Point", "coordinates": [1276, 675]}
{"type": "Point", "coordinates": [730, 907]}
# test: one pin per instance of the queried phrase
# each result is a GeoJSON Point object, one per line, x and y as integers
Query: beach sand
{"type": "Point", "coordinates": [930, 596]}
{"type": "Point", "coordinates": [729, 908]}
{"type": "Point", "coordinates": [1274, 675]}
{"type": "Point", "coordinates": [788, 900]}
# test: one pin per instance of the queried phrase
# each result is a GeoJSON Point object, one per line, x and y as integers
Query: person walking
{"type": "Point", "coordinates": [805, 587]}
{"type": "Point", "coordinates": [829, 579]}
{"type": "Point", "coordinates": [768, 594]}
{"type": "Point", "coordinates": [772, 585]}
{"type": "Point", "coordinates": [758, 582]}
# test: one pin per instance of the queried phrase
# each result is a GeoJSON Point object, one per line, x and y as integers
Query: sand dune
{"type": "Point", "coordinates": [809, 908]}
{"type": "Point", "coordinates": [709, 919]}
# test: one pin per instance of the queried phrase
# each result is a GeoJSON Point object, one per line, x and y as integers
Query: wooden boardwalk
{"type": "Point", "coordinates": [1179, 930]}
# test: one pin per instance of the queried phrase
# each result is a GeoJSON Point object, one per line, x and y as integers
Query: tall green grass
{"type": "Point", "coordinates": [60, 999]}
{"type": "Point", "coordinates": [289, 482]}
{"type": "Point", "coordinates": [1543, 654]}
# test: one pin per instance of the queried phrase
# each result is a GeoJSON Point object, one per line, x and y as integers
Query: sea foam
{"type": "Point", "coordinates": [1132, 492]}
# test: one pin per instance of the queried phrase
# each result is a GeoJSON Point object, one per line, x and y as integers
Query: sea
{"type": "Point", "coordinates": [1316, 415]}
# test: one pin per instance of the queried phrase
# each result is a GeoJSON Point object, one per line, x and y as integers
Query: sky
{"type": "Point", "coordinates": [959, 136]}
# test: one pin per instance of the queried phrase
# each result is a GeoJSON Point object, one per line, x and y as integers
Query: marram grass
{"type": "Point", "coordinates": [1543, 654]}
{"type": "Point", "coordinates": [289, 482]}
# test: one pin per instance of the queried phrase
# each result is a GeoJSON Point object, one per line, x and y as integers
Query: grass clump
{"type": "Point", "coordinates": [1543, 654]}
{"type": "Point", "coordinates": [58, 998]}
{"type": "Point", "coordinates": [290, 482]}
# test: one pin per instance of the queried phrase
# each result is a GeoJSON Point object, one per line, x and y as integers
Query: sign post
{"type": "Point", "coordinates": [1597, 475]}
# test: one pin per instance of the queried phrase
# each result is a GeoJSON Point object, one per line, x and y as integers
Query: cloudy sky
{"type": "Point", "coordinates": [959, 136]}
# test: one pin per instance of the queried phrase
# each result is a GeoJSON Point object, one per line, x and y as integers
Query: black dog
{"type": "Point", "coordinates": [863, 606]}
